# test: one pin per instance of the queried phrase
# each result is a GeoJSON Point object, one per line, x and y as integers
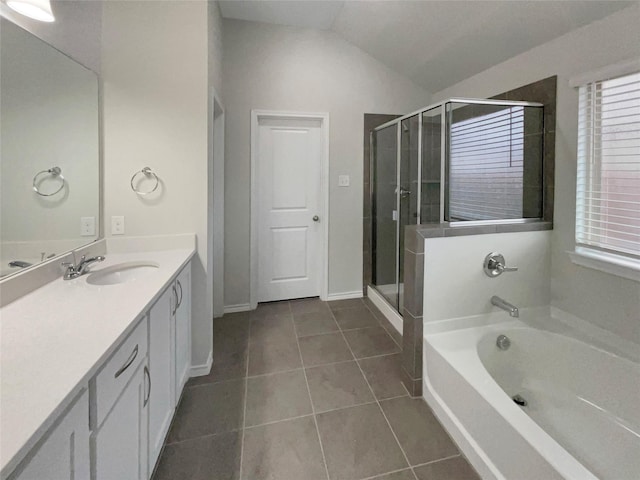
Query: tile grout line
{"type": "Point", "coordinates": [388, 473]}
{"type": "Point", "coordinates": [313, 408]}
{"type": "Point", "coordinates": [438, 460]}
{"type": "Point", "coordinates": [200, 437]}
{"type": "Point", "coordinates": [244, 400]}
{"type": "Point", "coordinates": [406, 459]}
{"type": "Point", "coordinates": [296, 369]}
{"type": "Point", "coordinates": [248, 427]}
{"type": "Point", "coordinates": [273, 422]}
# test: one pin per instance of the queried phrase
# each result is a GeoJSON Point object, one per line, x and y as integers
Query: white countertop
{"type": "Point", "coordinates": [53, 340]}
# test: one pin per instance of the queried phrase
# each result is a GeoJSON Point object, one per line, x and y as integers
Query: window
{"type": "Point", "coordinates": [486, 166]}
{"type": "Point", "coordinates": [495, 162]}
{"type": "Point", "coordinates": [608, 181]}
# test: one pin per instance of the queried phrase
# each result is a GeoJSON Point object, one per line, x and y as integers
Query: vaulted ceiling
{"type": "Point", "coordinates": [434, 43]}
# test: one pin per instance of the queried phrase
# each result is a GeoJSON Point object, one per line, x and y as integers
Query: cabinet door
{"type": "Point", "coordinates": [161, 368]}
{"type": "Point", "coordinates": [120, 445]}
{"type": "Point", "coordinates": [183, 330]}
{"type": "Point", "coordinates": [64, 455]}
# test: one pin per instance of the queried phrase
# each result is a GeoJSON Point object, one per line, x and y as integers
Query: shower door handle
{"type": "Point", "coordinates": [404, 192]}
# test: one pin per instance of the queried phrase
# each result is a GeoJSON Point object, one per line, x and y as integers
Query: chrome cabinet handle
{"type": "Point", "coordinates": [148, 395]}
{"type": "Point", "coordinates": [316, 218]}
{"type": "Point", "coordinates": [128, 363]}
{"type": "Point", "coordinates": [175, 293]}
{"type": "Point", "coordinates": [180, 287]}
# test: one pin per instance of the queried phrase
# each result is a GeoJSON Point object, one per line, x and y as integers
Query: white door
{"type": "Point", "coordinates": [288, 173]}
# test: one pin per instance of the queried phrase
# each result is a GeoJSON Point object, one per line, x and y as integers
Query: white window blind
{"type": "Point", "coordinates": [608, 184]}
{"type": "Point", "coordinates": [486, 166]}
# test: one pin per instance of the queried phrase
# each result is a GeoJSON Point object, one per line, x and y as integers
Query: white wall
{"type": "Point", "coordinates": [76, 31]}
{"type": "Point", "coordinates": [155, 73]}
{"type": "Point", "coordinates": [610, 302]}
{"type": "Point", "coordinates": [215, 45]}
{"type": "Point", "coordinates": [455, 284]}
{"type": "Point", "coordinates": [284, 68]}
{"type": "Point", "coordinates": [215, 200]}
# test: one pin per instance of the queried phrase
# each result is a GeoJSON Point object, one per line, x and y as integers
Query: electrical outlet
{"type": "Point", "coordinates": [87, 226]}
{"type": "Point", "coordinates": [343, 180]}
{"type": "Point", "coordinates": [117, 225]}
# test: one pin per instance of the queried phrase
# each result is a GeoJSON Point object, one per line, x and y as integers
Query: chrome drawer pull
{"type": "Point", "coordinates": [179, 286]}
{"type": "Point", "coordinates": [175, 293]}
{"type": "Point", "coordinates": [130, 360]}
{"type": "Point", "coordinates": [146, 372]}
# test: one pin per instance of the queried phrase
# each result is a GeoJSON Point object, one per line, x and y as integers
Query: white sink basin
{"type": "Point", "coordinates": [122, 273]}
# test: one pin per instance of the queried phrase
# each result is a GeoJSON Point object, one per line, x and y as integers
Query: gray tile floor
{"type": "Point", "coordinates": [306, 390]}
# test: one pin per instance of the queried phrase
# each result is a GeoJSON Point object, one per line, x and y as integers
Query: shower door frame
{"type": "Point", "coordinates": [445, 111]}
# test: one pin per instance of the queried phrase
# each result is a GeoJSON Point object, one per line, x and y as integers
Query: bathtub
{"type": "Point", "coordinates": [582, 418]}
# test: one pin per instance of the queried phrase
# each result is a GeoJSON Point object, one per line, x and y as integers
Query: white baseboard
{"type": "Point", "coordinates": [344, 295]}
{"type": "Point", "coordinates": [202, 370]}
{"type": "Point", "coordinates": [387, 310]}
{"type": "Point", "coordinates": [242, 307]}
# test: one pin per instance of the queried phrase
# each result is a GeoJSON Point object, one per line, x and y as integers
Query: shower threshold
{"type": "Point", "coordinates": [387, 309]}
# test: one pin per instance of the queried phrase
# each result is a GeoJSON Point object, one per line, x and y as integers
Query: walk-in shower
{"type": "Point", "coordinates": [461, 160]}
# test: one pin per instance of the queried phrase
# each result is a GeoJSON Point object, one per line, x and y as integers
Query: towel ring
{"type": "Point", "coordinates": [54, 172]}
{"type": "Point", "coordinates": [147, 172]}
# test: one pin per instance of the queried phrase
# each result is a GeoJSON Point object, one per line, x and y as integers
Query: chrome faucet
{"type": "Point", "coordinates": [512, 310]}
{"type": "Point", "coordinates": [74, 271]}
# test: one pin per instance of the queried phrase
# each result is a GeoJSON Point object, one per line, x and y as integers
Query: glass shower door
{"type": "Point", "coordinates": [408, 191]}
{"type": "Point", "coordinates": [384, 210]}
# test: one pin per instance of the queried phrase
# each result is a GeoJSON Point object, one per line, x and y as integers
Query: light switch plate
{"type": "Point", "coordinates": [117, 225]}
{"type": "Point", "coordinates": [343, 180]}
{"type": "Point", "coordinates": [87, 226]}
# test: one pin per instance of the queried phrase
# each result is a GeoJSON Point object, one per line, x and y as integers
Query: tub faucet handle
{"type": "Point", "coordinates": [494, 265]}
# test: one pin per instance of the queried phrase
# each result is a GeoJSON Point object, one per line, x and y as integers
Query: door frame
{"type": "Point", "coordinates": [215, 207]}
{"type": "Point", "coordinates": [323, 117]}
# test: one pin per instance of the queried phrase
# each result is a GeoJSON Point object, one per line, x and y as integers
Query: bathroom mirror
{"type": "Point", "coordinates": [49, 151]}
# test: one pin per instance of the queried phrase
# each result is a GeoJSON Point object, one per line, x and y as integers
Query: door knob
{"type": "Point", "coordinates": [316, 218]}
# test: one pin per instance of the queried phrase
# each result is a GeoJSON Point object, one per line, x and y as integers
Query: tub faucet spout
{"type": "Point", "coordinates": [511, 309]}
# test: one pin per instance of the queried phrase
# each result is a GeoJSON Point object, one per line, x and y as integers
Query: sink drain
{"type": "Point", "coordinates": [519, 400]}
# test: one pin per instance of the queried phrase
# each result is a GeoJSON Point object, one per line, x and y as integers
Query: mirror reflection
{"type": "Point", "coordinates": [49, 151]}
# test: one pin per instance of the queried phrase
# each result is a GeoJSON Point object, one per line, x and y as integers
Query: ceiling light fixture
{"type": "Point", "coordinates": [37, 9]}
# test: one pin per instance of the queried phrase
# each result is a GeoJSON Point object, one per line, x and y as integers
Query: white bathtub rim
{"type": "Point", "coordinates": [465, 441]}
{"type": "Point", "coordinates": [534, 435]}
{"type": "Point", "coordinates": [594, 336]}
{"type": "Point", "coordinates": [485, 385]}
{"type": "Point", "coordinates": [549, 319]}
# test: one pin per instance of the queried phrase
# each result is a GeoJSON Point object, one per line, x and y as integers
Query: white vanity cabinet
{"type": "Point", "coordinates": [64, 452]}
{"type": "Point", "coordinates": [120, 444]}
{"type": "Point", "coordinates": [182, 321]}
{"type": "Point", "coordinates": [116, 426]}
{"type": "Point", "coordinates": [169, 357]}
{"type": "Point", "coordinates": [119, 414]}
{"type": "Point", "coordinates": [161, 355]}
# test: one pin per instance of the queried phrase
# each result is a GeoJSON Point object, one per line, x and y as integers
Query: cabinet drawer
{"type": "Point", "coordinates": [118, 370]}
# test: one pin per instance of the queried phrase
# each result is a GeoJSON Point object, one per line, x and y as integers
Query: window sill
{"type": "Point", "coordinates": [618, 265]}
